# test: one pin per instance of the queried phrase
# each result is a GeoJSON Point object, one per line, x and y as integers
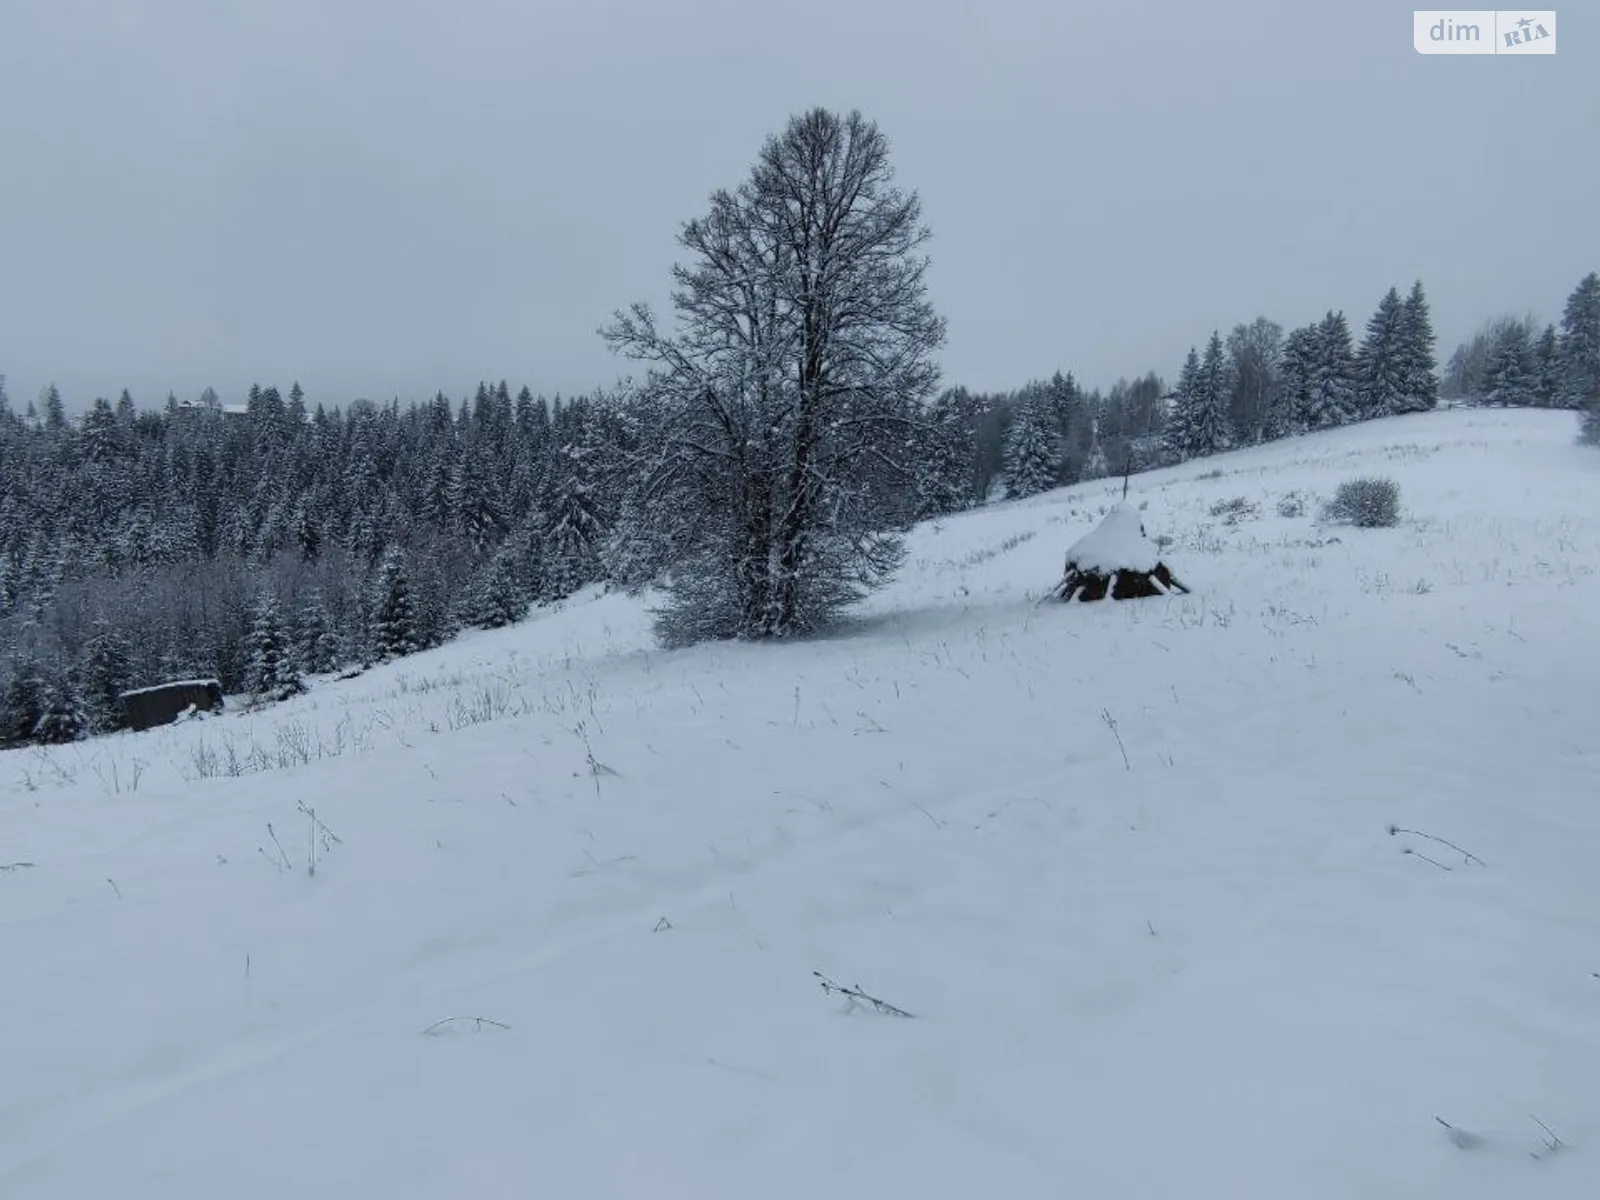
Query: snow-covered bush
{"type": "Point", "coordinates": [1235, 510]}
{"type": "Point", "coordinates": [1371, 502]}
{"type": "Point", "coordinates": [1292, 504]}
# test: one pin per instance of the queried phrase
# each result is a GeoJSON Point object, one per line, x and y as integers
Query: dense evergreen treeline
{"type": "Point", "coordinates": [254, 544]}
{"type": "Point", "coordinates": [264, 542]}
{"type": "Point", "coordinates": [1512, 362]}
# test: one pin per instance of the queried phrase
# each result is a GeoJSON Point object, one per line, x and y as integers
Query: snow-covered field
{"type": "Point", "coordinates": [1131, 868]}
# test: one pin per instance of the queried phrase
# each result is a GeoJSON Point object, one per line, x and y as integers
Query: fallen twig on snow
{"type": "Point", "coordinates": [16, 866]}
{"type": "Point", "coordinates": [478, 1023]}
{"type": "Point", "coordinates": [1466, 854]}
{"type": "Point", "coordinates": [1426, 859]}
{"type": "Point", "coordinates": [858, 998]}
{"type": "Point", "coordinates": [1552, 1143]}
{"type": "Point", "coordinates": [1111, 724]}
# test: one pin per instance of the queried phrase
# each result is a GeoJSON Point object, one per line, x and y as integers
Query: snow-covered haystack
{"type": "Point", "coordinates": [1116, 559]}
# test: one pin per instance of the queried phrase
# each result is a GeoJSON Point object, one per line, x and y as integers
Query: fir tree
{"type": "Point", "coordinates": [1333, 386]}
{"type": "Point", "coordinates": [1181, 434]}
{"type": "Point", "coordinates": [1294, 412]}
{"type": "Point", "coordinates": [1075, 426]}
{"type": "Point", "coordinates": [497, 596]}
{"type": "Point", "coordinates": [305, 530]}
{"type": "Point", "coordinates": [1580, 354]}
{"type": "Point", "coordinates": [1033, 447]}
{"type": "Point", "coordinates": [107, 672]}
{"type": "Point", "coordinates": [62, 718]}
{"type": "Point", "coordinates": [632, 557]}
{"type": "Point", "coordinates": [1208, 422]}
{"type": "Point", "coordinates": [394, 617]}
{"type": "Point", "coordinates": [1547, 358]}
{"type": "Point", "coordinates": [575, 531]}
{"type": "Point", "coordinates": [1384, 364]}
{"type": "Point", "coordinates": [55, 410]}
{"type": "Point", "coordinates": [271, 674]}
{"type": "Point", "coordinates": [22, 704]}
{"type": "Point", "coordinates": [1589, 430]}
{"type": "Point", "coordinates": [1421, 362]}
{"type": "Point", "coordinates": [944, 459]}
{"type": "Point", "coordinates": [523, 414]}
{"type": "Point", "coordinates": [1513, 377]}
{"type": "Point", "coordinates": [317, 649]}
{"type": "Point", "coordinates": [476, 510]}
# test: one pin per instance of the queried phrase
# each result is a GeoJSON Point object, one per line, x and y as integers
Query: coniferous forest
{"type": "Point", "coordinates": [277, 536]}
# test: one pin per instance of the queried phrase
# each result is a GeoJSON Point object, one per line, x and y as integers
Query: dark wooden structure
{"type": "Point", "coordinates": [164, 703]}
{"type": "Point", "coordinates": [1124, 584]}
{"type": "Point", "coordinates": [1117, 560]}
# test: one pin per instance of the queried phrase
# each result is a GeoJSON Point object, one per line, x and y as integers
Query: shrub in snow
{"type": "Point", "coordinates": [1235, 510]}
{"type": "Point", "coordinates": [1372, 502]}
{"type": "Point", "coordinates": [1292, 505]}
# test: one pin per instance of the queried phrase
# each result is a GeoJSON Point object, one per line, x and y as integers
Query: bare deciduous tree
{"type": "Point", "coordinates": [787, 401]}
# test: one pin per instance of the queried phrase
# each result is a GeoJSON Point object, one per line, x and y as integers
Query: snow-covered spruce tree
{"type": "Point", "coordinates": [944, 458]}
{"type": "Point", "coordinates": [1547, 360]}
{"type": "Point", "coordinates": [1209, 430]}
{"type": "Point", "coordinates": [1179, 434]}
{"type": "Point", "coordinates": [1466, 373]}
{"type": "Point", "coordinates": [575, 532]}
{"type": "Point", "coordinates": [1333, 379]}
{"type": "Point", "coordinates": [317, 647]}
{"type": "Point", "coordinates": [1073, 414]}
{"type": "Point", "coordinates": [271, 674]}
{"type": "Point", "coordinates": [55, 409]}
{"type": "Point", "coordinates": [782, 475]}
{"type": "Point", "coordinates": [1291, 414]}
{"type": "Point", "coordinates": [22, 702]}
{"type": "Point", "coordinates": [1421, 361]}
{"type": "Point", "coordinates": [1580, 355]}
{"type": "Point", "coordinates": [106, 672]}
{"type": "Point", "coordinates": [1513, 375]}
{"type": "Point", "coordinates": [472, 501]}
{"type": "Point", "coordinates": [497, 596]}
{"type": "Point", "coordinates": [393, 631]}
{"type": "Point", "coordinates": [1033, 446]}
{"type": "Point", "coordinates": [1383, 364]}
{"type": "Point", "coordinates": [62, 717]}
{"type": "Point", "coordinates": [631, 557]}
{"type": "Point", "coordinates": [1589, 429]}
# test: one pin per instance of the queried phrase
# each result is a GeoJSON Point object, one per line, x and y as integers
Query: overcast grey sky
{"type": "Point", "coordinates": [393, 198]}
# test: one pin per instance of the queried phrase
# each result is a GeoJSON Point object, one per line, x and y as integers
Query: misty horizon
{"type": "Point", "coordinates": [388, 205]}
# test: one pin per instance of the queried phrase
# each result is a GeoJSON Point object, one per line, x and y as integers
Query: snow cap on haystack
{"type": "Point", "coordinates": [1116, 560]}
{"type": "Point", "coordinates": [1118, 543]}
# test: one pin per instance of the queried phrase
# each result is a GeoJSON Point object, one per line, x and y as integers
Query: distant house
{"type": "Point", "coordinates": [226, 410]}
{"type": "Point", "coordinates": [164, 703]}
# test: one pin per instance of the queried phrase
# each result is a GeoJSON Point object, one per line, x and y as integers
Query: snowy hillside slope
{"type": "Point", "coordinates": [1131, 868]}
